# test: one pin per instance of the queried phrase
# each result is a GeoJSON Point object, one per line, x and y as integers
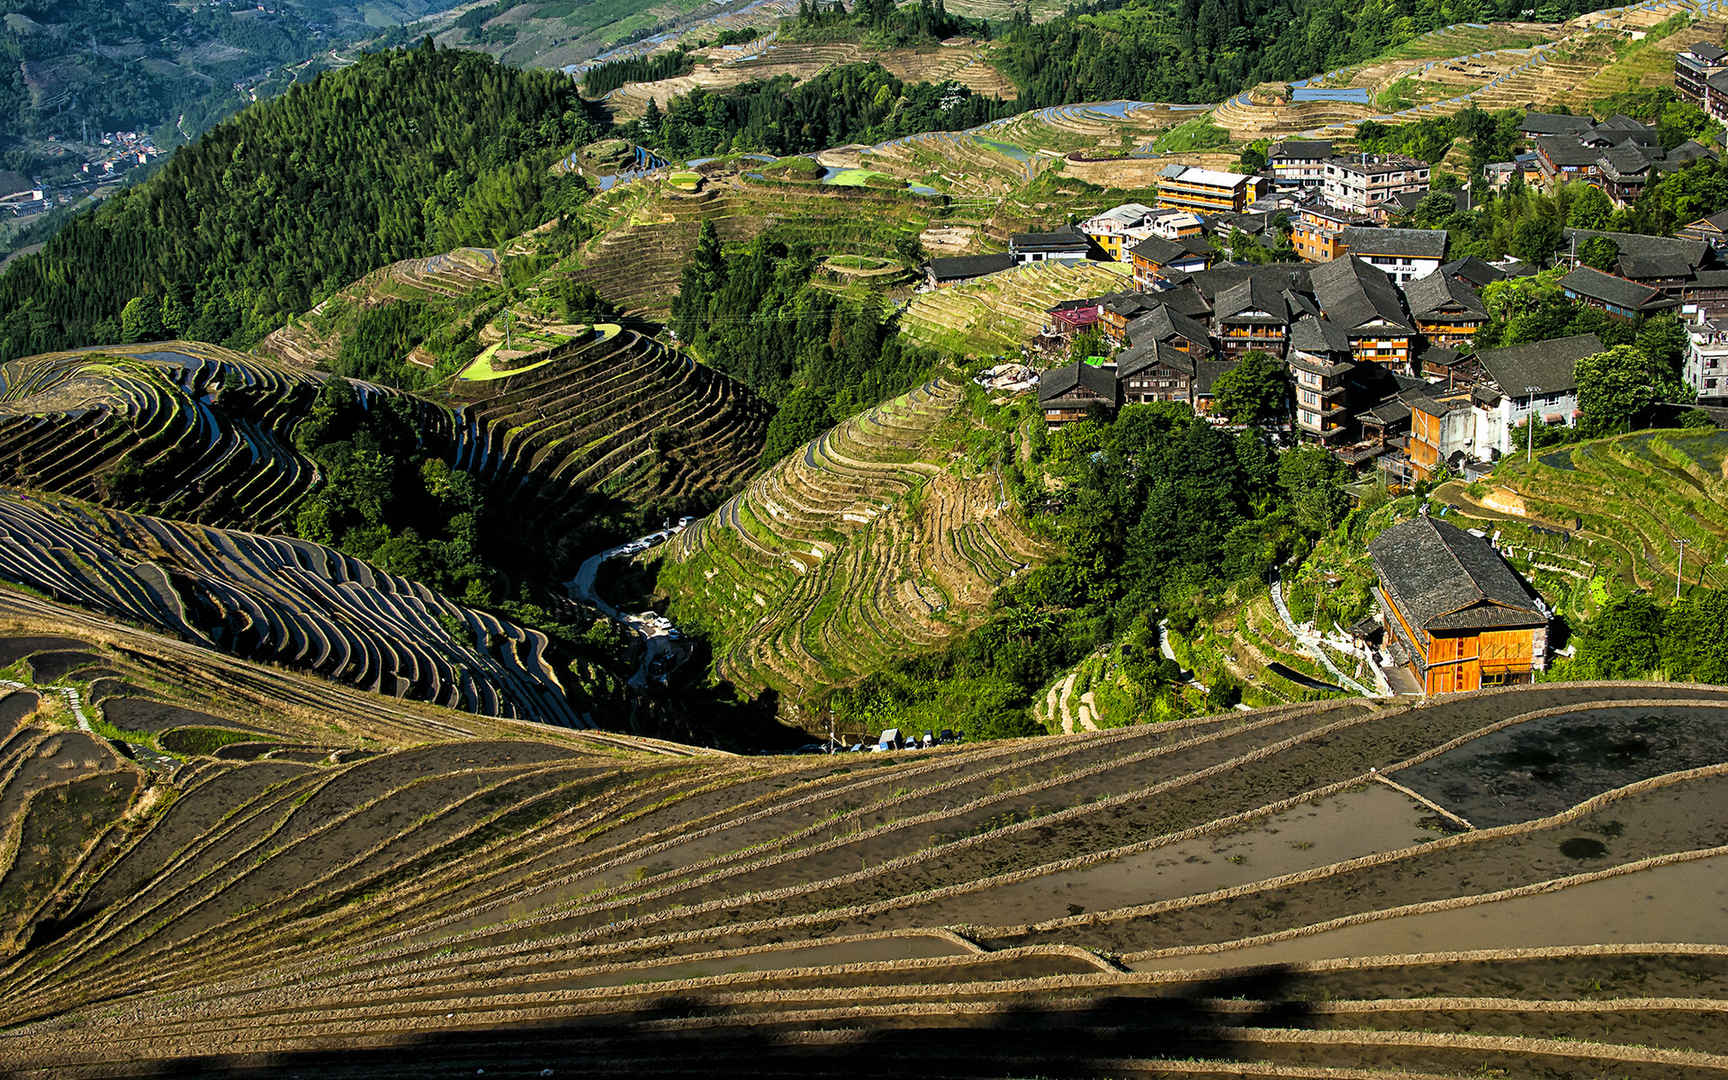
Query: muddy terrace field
{"type": "Point", "coordinates": [1526, 882]}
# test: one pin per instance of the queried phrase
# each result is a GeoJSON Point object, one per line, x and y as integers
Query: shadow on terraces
{"type": "Point", "coordinates": [687, 1035]}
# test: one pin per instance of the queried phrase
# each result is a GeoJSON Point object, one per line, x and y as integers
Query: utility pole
{"type": "Point", "coordinates": [1680, 567]}
{"type": "Point", "coordinates": [1530, 424]}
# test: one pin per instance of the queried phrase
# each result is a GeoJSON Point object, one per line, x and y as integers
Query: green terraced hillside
{"type": "Point", "coordinates": [880, 539]}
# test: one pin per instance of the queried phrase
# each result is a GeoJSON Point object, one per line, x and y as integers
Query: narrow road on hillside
{"type": "Point", "coordinates": [662, 645]}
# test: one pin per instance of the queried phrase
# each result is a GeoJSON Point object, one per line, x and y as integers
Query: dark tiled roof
{"type": "Point", "coordinates": [1546, 364]}
{"type": "Point", "coordinates": [1319, 337]}
{"type": "Point", "coordinates": [961, 267]}
{"type": "Point", "coordinates": [1566, 150]}
{"type": "Point", "coordinates": [1403, 243]}
{"type": "Point", "coordinates": [1152, 353]}
{"type": "Point", "coordinates": [1352, 293]}
{"type": "Point", "coordinates": [1186, 300]}
{"type": "Point", "coordinates": [1058, 383]}
{"type": "Point", "coordinates": [1593, 284]}
{"type": "Point", "coordinates": [1476, 271]}
{"type": "Point", "coordinates": [1206, 373]}
{"type": "Point", "coordinates": [1552, 124]}
{"type": "Point", "coordinates": [1437, 356]}
{"type": "Point", "coordinates": [1163, 323]}
{"type": "Point", "coordinates": [1686, 153]}
{"type": "Point", "coordinates": [1303, 149]}
{"type": "Point", "coordinates": [1442, 578]}
{"type": "Point", "coordinates": [1251, 294]}
{"type": "Point", "coordinates": [1624, 160]}
{"type": "Point", "coordinates": [1211, 282]}
{"type": "Point", "coordinates": [1707, 51]}
{"type": "Point", "coordinates": [1156, 249]}
{"type": "Point", "coordinates": [1642, 267]}
{"type": "Point", "coordinates": [1428, 295]}
{"type": "Point", "coordinates": [1066, 239]}
{"type": "Point", "coordinates": [1693, 251]}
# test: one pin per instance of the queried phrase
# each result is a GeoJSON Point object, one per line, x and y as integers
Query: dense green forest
{"type": "Point", "coordinates": [852, 103]}
{"type": "Point", "coordinates": [1204, 50]}
{"type": "Point", "coordinates": [879, 23]}
{"type": "Point", "coordinates": [602, 79]}
{"type": "Point", "coordinates": [1158, 513]}
{"type": "Point", "coordinates": [404, 153]}
{"type": "Point", "coordinates": [755, 316]}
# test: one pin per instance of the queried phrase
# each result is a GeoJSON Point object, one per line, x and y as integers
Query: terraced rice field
{"type": "Point", "coordinates": [1001, 312]}
{"type": "Point", "coordinates": [317, 335]}
{"type": "Point", "coordinates": [870, 543]}
{"type": "Point", "coordinates": [1615, 508]}
{"type": "Point", "coordinates": [285, 601]}
{"type": "Point", "coordinates": [638, 259]}
{"type": "Point", "coordinates": [1292, 892]}
{"type": "Point", "coordinates": [585, 418]}
{"type": "Point", "coordinates": [212, 428]}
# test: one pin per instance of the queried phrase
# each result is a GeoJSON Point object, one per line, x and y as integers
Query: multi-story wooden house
{"type": "Point", "coordinates": [1164, 324]}
{"type": "Point", "coordinates": [1251, 314]}
{"type": "Point", "coordinates": [1460, 615]}
{"type": "Point", "coordinates": [1693, 67]}
{"type": "Point", "coordinates": [1157, 261]}
{"type": "Point", "coordinates": [1073, 392]}
{"type": "Point", "coordinates": [1361, 301]}
{"type": "Point", "coordinates": [1447, 311]}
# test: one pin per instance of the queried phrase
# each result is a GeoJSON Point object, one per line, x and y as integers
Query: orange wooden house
{"type": "Point", "coordinates": [1460, 615]}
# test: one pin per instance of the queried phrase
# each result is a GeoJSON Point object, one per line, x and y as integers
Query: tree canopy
{"type": "Point", "coordinates": [404, 153]}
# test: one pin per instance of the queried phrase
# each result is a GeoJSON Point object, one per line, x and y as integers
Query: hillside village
{"type": "Point", "coordinates": [1374, 322]}
{"type": "Point", "coordinates": [1163, 539]}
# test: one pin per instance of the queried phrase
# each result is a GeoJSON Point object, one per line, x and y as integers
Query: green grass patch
{"type": "Point", "coordinates": [481, 370]}
{"type": "Point", "coordinates": [1196, 134]}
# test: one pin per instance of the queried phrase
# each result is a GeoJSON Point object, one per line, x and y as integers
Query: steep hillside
{"type": "Point", "coordinates": [1288, 892]}
{"type": "Point", "coordinates": [293, 603]}
{"type": "Point", "coordinates": [291, 200]}
{"type": "Point", "coordinates": [884, 537]}
{"type": "Point", "coordinates": [1606, 515]}
{"type": "Point", "coordinates": [204, 434]}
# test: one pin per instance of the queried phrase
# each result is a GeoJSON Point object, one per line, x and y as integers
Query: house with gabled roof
{"type": "Point", "coordinates": [1404, 254]}
{"type": "Point", "coordinates": [1071, 392]}
{"type": "Point", "coordinates": [1251, 314]}
{"type": "Point", "coordinates": [1157, 261]}
{"type": "Point", "coordinates": [1169, 326]}
{"type": "Point", "coordinates": [1619, 297]}
{"type": "Point", "coordinates": [1361, 301]}
{"type": "Point", "coordinates": [1520, 382]}
{"type": "Point", "coordinates": [1712, 229]}
{"type": "Point", "coordinates": [1447, 311]}
{"type": "Point", "coordinates": [1694, 65]}
{"type": "Point", "coordinates": [1456, 612]}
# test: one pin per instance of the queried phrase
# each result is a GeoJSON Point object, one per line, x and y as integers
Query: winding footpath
{"type": "Point", "coordinates": [659, 637]}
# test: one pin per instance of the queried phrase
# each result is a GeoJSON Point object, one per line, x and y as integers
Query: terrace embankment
{"type": "Point", "coordinates": [1030, 907]}
{"type": "Point", "coordinates": [880, 538]}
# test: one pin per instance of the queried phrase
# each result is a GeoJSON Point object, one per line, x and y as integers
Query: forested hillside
{"type": "Point", "coordinates": [854, 103]}
{"type": "Point", "coordinates": [401, 154]}
{"type": "Point", "coordinates": [1204, 50]}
